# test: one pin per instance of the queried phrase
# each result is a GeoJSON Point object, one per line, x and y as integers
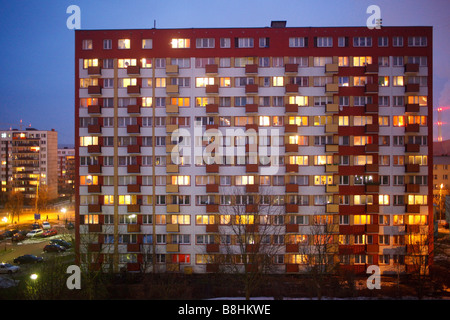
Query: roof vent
{"type": "Point", "coordinates": [278, 24]}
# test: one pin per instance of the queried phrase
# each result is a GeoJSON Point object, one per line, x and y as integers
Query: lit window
{"type": "Point", "coordinates": [87, 45]}
{"type": "Point", "coordinates": [277, 81]}
{"type": "Point", "coordinates": [301, 101]}
{"type": "Point", "coordinates": [398, 81]}
{"type": "Point", "coordinates": [124, 63]}
{"type": "Point", "coordinates": [147, 43]}
{"type": "Point", "coordinates": [124, 44]}
{"type": "Point", "coordinates": [90, 63]}
{"type": "Point", "coordinates": [203, 82]}
{"type": "Point", "coordinates": [361, 61]}
{"type": "Point", "coordinates": [181, 43]}
{"type": "Point", "coordinates": [181, 180]}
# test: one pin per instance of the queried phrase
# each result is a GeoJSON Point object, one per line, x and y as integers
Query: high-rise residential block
{"type": "Point", "coordinates": [197, 148]}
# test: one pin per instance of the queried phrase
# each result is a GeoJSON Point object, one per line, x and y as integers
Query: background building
{"type": "Point", "coordinates": [66, 172]}
{"type": "Point", "coordinates": [29, 158]}
{"type": "Point", "coordinates": [347, 112]}
{"type": "Point", "coordinates": [441, 174]}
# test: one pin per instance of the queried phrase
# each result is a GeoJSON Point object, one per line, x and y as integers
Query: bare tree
{"type": "Point", "coordinates": [252, 223]}
{"type": "Point", "coordinates": [318, 252]}
{"type": "Point", "coordinates": [14, 204]}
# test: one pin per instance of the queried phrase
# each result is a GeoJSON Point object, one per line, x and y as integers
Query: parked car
{"type": "Point", "coordinates": [19, 236]}
{"type": "Point", "coordinates": [61, 242]}
{"type": "Point", "coordinates": [35, 226]}
{"type": "Point", "coordinates": [9, 233]}
{"type": "Point", "coordinates": [8, 268]}
{"type": "Point", "coordinates": [54, 248]}
{"type": "Point", "coordinates": [70, 226]}
{"type": "Point", "coordinates": [46, 225]}
{"type": "Point", "coordinates": [49, 233]}
{"type": "Point", "coordinates": [35, 233]}
{"type": "Point", "coordinates": [28, 258]}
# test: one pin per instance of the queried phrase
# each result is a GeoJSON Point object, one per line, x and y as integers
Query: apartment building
{"type": "Point", "coordinates": [319, 133]}
{"type": "Point", "coordinates": [29, 160]}
{"type": "Point", "coordinates": [66, 171]}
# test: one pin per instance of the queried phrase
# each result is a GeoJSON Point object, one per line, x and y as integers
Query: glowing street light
{"type": "Point", "coordinates": [33, 276]}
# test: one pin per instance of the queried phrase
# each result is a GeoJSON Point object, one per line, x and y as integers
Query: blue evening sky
{"type": "Point", "coordinates": [37, 49]}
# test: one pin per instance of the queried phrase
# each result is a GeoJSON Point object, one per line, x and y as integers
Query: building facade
{"type": "Point", "coordinates": [66, 172]}
{"type": "Point", "coordinates": [29, 160]}
{"type": "Point", "coordinates": [319, 136]}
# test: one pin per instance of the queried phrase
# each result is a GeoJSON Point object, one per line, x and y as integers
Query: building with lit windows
{"type": "Point", "coordinates": [29, 160]}
{"type": "Point", "coordinates": [330, 128]}
{"type": "Point", "coordinates": [66, 171]}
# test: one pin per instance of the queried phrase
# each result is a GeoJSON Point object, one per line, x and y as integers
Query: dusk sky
{"type": "Point", "coordinates": [37, 52]}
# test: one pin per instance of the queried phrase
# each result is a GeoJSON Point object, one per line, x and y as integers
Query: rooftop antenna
{"type": "Point", "coordinates": [440, 124]}
{"type": "Point", "coordinates": [154, 24]}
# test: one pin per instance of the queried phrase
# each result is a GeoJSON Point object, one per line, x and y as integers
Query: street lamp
{"type": "Point", "coordinates": [33, 276]}
{"type": "Point", "coordinates": [63, 211]}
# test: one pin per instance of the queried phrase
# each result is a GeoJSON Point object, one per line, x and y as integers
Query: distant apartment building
{"type": "Point", "coordinates": [29, 159]}
{"type": "Point", "coordinates": [327, 128]}
{"type": "Point", "coordinates": [441, 173]}
{"type": "Point", "coordinates": [66, 171]}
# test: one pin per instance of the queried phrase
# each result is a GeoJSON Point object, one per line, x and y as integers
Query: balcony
{"type": "Point", "coordinates": [291, 88]}
{"type": "Point", "coordinates": [212, 188]}
{"type": "Point", "coordinates": [212, 108]}
{"type": "Point", "coordinates": [172, 247]}
{"type": "Point", "coordinates": [133, 109]}
{"type": "Point", "coordinates": [212, 89]}
{"type": "Point", "coordinates": [251, 127]}
{"type": "Point", "coordinates": [373, 167]}
{"type": "Point", "coordinates": [412, 208]}
{"type": "Point", "coordinates": [372, 188]}
{"type": "Point", "coordinates": [412, 188]}
{"type": "Point", "coordinates": [372, 228]}
{"type": "Point", "coordinates": [211, 69]}
{"type": "Point", "coordinates": [332, 148]}
{"type": "Point", "coordinates": [172, 89]}
{"type": "Point", "coordinates": [291, 248]}
{"type": "Point", "coordinates": [411, 68]}
{"type": "Point", "coordinates": [251, 168]}
{"type": "Point", "coordinates": [371, 68]}
{"type": "Point", "coordinates": [133, 70]}
{"type": "Point", "coordinates": [251, 89]}
{"type": "Point", "coordinates": [134, 90]}
{"type": "Point", "coordinates": [331, 188]}
{"type": "Point", "coordinates": [133, 148]}
{"type": "Point", "coordinates": [332, 68]}
{"type": "Point", "coordinates": [371, 148]}
{"type": "Point", "coordinates": [331, 128]}
{"type": "Point", "coordinates": [412, 147]}
{"type": "Point", "coordinates": [94, 128]}
{"type": "Point", "coordinates": [331, 168]}
{"type": "Point", "coordinates": [212, 208]}
{"type": "Point", "coordinates": [412, 168]}
{"type": "Point", "coordinates": [372, 128]}
{"type": "Point", "coordinates": [212, 247]}
{"type": "Point", "coordinates": [371, 108]}
{"type": "Point", "coordinates": [172, 70]}
{"type": "Point", "coordinates": [251, 69]}
{"type": "Point", "coordinates": [291, 108]}
{"type": "Point", "coordinates": [171, 108]}
{"type": "Point", "coordinates": [173, 208]}
{"type": "Point", "coordinates": [133, 208]}
{"type": "Point", "coordinates": [332, 208]}
{"type": "Point", "coordinates": [412, 107]}
{"type": "Point", "coordinates": [291, 188]}
{"type": "Point", "coordinates": [331, 88]}
{"type": "Point", "coordinates": [372, 208]}
{"type": "Point", "coordinates": [94, 168]}
{"type": "Point", "coordinates": [94, 148]}
{"type": "Point", "coordinates": [291, 228]}
{"type": "Point", "coordinates": [133, 168]}
{"type": "Point", "coordinates": [94, 109]}
{"type": "Point", "coordinates": [133, 247]}
{"type": "Point", "coordinates": [94, 208]}
{"type": "Point", "coordinates": [95, 227]}
{"type": "Point", "coordinates": [291, 147]}
{"type": "Point", "coordinates": [133, 128]}
{"type": "Point", "coordinates": [133, 227]}
{"type": "Point", "coordinates": [94, 71]}
{"type": "Point", "coordinates": [290, 128]}
{"type": "Point", "coordinates": [371, 88]}
{"type": "Point", "coordinates": [291, 68]}
{"type": "Point", "coordinates": [95, 90]}
{"type": "Point", "coordinates": [133, 188]}
{"type": "Point", "coordinates": [172, 168]}
{"type": "Point", "coordinates": [411, 128]}
{"type": "Point", "coordinates": [172, 188]}
{"type": "Point", "coordinates": [212, 168]}
{"type": "Point", "coordinates": [172, 227]}
{"type": "Point", "coordinates": [291, 168]}
{"type": "Point", "coordinates": [332, 108]}
{"type": "Point", "coordinates": [291, 208]}
{"type": "Point", "coordinates": [170, 128]}
{"type": "Point", "coordinates": [412, 88]}
{"type": "Point", "coordinates": [212, 228]}
{"type": "Point", "coordinates": [252, 188]}
{"type": "Point", "coordinates": [94, 188]}
{"type": "Point", "coordinates": [251, 108]}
